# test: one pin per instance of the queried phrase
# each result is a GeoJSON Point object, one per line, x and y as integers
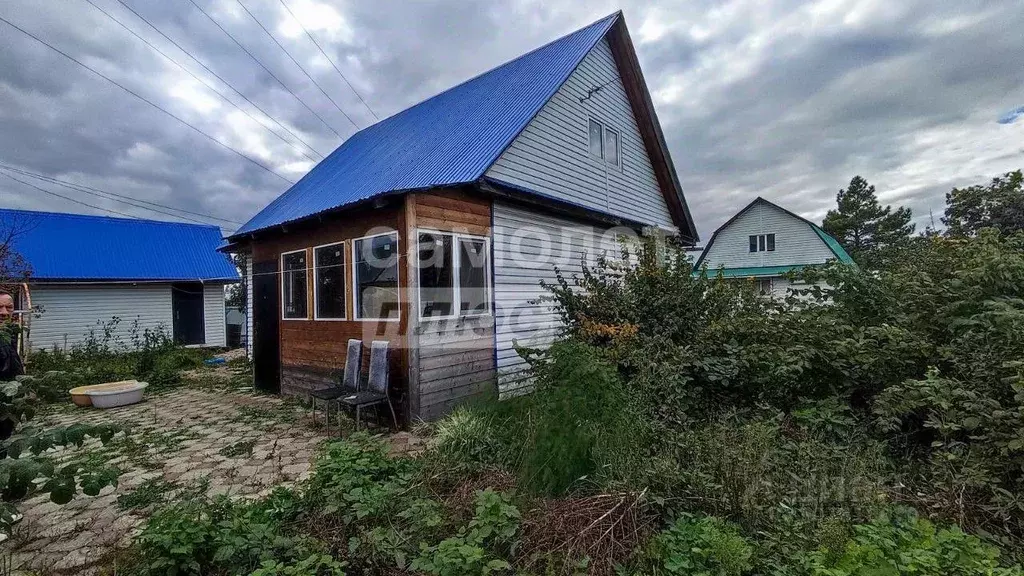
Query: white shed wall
{"type": "Point", "coordinates": [795, 241]}
{"type": "Point", "coordinates": [552, 155]}
{"type": "Point", "coordinates": [71, 311]}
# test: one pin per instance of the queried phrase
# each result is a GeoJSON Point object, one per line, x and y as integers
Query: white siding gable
{"type": "Point", "coordinates": [795, 241]}
{"type": "Point", "coordinates": [551, 155]}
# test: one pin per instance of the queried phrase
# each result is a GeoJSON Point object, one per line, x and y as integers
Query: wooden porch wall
{"type": "Point", "coordinates": [313, 351]}
{"type": "Point", "coordinates": [453, 360]}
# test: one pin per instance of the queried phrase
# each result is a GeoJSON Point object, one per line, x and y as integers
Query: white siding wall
{"type": "Point", "coordinates": [527, 248]}
{"type": "Point", "coordinates": [71, 311]}
{"type": "Point", "coordinates": [214, 315]}
{"type": "Point", "coordinates": [552, 156]}
{"type": "Point", "coordinates": [795, 241]}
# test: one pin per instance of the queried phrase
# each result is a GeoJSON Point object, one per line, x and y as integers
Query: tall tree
{"type": "Point", "coordinates": [998, 205]}
{"type": "Point", "coordinates": [864, 228]}
{"type": "Point", "coordinates": [237, 296]}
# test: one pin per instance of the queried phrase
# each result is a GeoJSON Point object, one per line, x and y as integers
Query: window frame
{"type": "Point", "coordinates": [602, 127]}
{"type": "Point", "coordinates": [769, 242]}
{"type": "Point", "coordinates": [456, 284]}
{"type": "Point", "coordinates": [344, 268]}
{"type": "Point", "coordinates": [752, 244]}
{"type": "Point", "coordinates": [759, 243]}
{"type": "Point", "coordinates": [284, 277]}
{"type": "Point", "coordinates": [618, 147]}
{"type": "Point", "coordinates": [355, 280]}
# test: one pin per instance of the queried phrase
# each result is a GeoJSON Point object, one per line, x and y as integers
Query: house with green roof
{"type": "Point", "coordinates": [765, 242]}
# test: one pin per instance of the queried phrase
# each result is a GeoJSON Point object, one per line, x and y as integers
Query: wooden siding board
{"type": "Point", "coordinates": [454, 358]}
{"type": "Point", "coordinates": [552, 156]}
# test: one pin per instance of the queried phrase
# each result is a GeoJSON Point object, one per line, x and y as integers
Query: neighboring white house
{"type": "Point", "coordinates": [765, 242]}
{"type": "Point", "coordinates": [88, 270]}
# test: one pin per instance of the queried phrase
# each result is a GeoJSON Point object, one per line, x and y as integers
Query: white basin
{"type": "Point", "coordinates": [129, 393]}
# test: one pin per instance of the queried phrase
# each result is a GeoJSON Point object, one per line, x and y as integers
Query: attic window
{"type": "Point", "coordinates": [762, 242]}
{"type": "Point", "coordinates": [604, 143]}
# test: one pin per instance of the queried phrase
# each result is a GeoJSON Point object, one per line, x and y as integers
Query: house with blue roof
{"type": "Point", "coordinates": [435, 228]}
{"type": "Point", "coordinates": [765, 242]}
{"type": "Point", "coordinates": [150, 275]}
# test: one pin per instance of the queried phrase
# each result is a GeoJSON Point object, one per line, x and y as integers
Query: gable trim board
{"type": "Point", "coordinates": [392, 156]}
{"type": "Point", "coordinates": [834, 247]}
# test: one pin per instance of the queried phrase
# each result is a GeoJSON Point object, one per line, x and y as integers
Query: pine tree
{"type": "Point", "coordinates": [864, 228]}
{"type": "Point", "coordinates": [998, 205]}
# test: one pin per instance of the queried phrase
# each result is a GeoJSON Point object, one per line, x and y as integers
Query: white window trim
{"type": "Point", "coordinates": [283, 275]}
{"type": "Point", "coordinates": [355, 279]}
{"type": "Point", "coordinates": [456, 287]}
{"type": "Point", "coordinates": [344, 267]}
{"type": "Point", "coordinates": [618, 147]}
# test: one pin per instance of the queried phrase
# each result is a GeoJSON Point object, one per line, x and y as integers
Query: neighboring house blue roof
{"type": "Point", "coordinates": [451, 138]}
{"type": "Point", "coordinates": [76, 247]}
{"type": "Point", "coordinates": [833, 244]}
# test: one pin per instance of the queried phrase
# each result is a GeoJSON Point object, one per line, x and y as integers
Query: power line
{"type": "Point", "coordinates": [45, 191]}
{"type": "Point", "coordinates": [267, 70]}
{"type": "Point", "coordinates": [203, 81]}
{"type": "Point", "coordinates": [116, 197]}
{"type": "Point", "coordinates": [140, 97]}
{"type": "Point", "coordinates": [217, 76]}
{"type": "Point", "coordinates": [354, 91]}
{"type": "Point", "coordinates": [285, 50]}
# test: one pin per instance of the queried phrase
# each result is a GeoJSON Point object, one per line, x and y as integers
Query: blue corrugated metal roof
{"type": "Point", "coordinates": [89, 248]}
{"type": "Point", "coordinates": [451, 138]}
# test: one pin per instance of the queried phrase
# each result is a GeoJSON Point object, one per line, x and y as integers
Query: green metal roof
{"type": "Point", "coordinates": [833, 245]}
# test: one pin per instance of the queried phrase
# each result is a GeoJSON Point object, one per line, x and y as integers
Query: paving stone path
{"type": "Point", "coordinates": [222, 442]}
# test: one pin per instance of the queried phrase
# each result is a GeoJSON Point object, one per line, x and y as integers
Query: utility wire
{"type": "Point", "coordinates": [140, 97]}
{"type": "Point", "coordinates": [267, 70]}
{"type": "Point", "coordinates": [217, 76]}
{"type": "Point", "coordinates": [296, 62]}
{"type": "Point", "coordinates": [203, 81]}
{"type": "Point", "coordinates": [116, 197]}
{"type": "Point", "coordinates": [45, 191]}
{"type": "Point", "coordinates": [354, 91]}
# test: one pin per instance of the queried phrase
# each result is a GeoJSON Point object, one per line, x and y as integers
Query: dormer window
{"type": "Point", "coordinates": [762, 242]}
{"type": "Point", "coordinates": [604, 143]}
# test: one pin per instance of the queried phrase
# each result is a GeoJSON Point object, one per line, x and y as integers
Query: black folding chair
{"type": "Point", "coordinates": [377, 386]}
{"type": "Point", "coordinates": [349, 382]}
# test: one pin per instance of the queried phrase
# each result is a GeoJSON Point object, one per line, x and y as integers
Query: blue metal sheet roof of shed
{"type": "Point", "coordinates": [77, 247]}
{"type": "Point", "coordinates": [451, 138]}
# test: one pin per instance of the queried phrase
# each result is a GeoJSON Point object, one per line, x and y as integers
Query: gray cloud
{"type": "Point", "coordinates": [783, 99]}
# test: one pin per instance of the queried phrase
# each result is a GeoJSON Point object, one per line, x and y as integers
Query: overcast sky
{"type": "Point", "coordinates": [783, 99]}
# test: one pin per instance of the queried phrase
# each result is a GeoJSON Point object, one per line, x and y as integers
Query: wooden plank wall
{"type": "Point", "coordinates": [451, 360]}
{"type": "Point", "coordinates": [319, 346]}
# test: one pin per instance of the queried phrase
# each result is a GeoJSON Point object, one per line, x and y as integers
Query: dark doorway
{"type": "Point", "coordinates": [266, 312]}
{"type": "Point", "coordinates": [187, 309]}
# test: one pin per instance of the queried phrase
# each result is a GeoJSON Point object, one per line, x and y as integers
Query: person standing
{"type": "Point", "coordinates": [10, 361]}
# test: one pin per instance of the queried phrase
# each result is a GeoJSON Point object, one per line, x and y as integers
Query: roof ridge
{"type": "Point", "coordinates": [105, 217]}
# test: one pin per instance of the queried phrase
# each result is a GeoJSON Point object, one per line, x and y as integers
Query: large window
{"type": "Point", "coordinates": [329, 282]}
{"type": "Point", "coordinates": [293, 285]}
{"type": "Point", "coordinates": [762, 242]}
{"type": "Point", "coordinates": [375, 277]}
{"type": "Point", "coordinates": [436, 271]}
{"type": "Point", "coordinates": [454, 275]}
{"type": "Point", "coordinates": [604, 143]}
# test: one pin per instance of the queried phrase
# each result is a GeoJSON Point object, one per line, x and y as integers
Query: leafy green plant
{"type": "Point", "coordinates": [316, 565]}
{"type": "Point", "coordinates": [901, 543]}
{"type": "Point", "coordinates": [494, 526]}
{"type": "Point", "coordinates": [697, 546]}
